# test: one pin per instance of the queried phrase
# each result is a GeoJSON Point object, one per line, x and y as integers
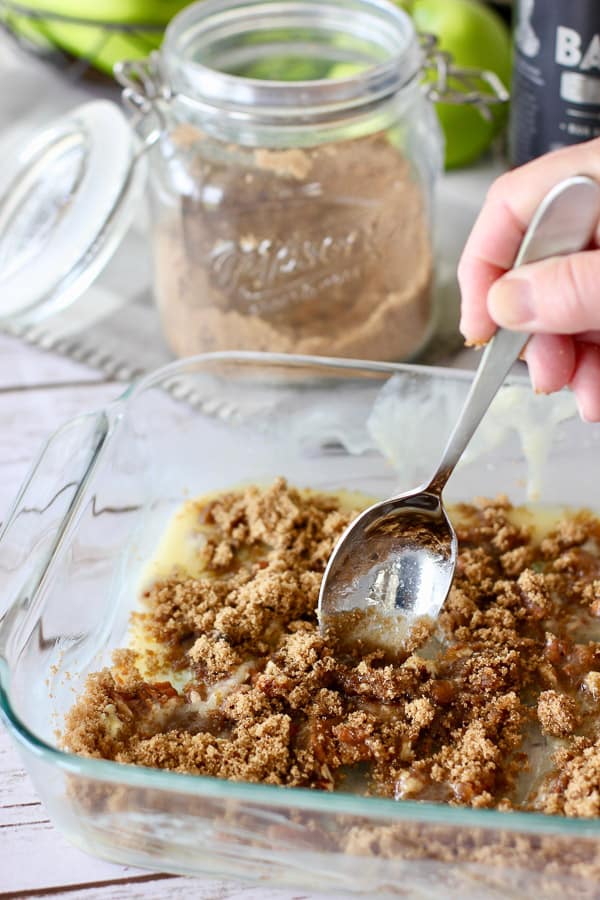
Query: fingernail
{"type": "Point", "coordinates": [531, 370]}
{"type": "Point", "coordinates": [540, 391]}
{"type": "Point", "coordinates": [535, 385]}
{"type": "Point", "coordinates": [583, 414]}
{"type": "Point", "coordinates": [510, 302]}
{"type": "Point", "coordinates": [583, 408]}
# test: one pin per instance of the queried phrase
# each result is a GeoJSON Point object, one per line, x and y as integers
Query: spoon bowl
{"type": "Point", "coordinates": [398, 556]}
{"type": "Point", "coordinates": [396, 560]}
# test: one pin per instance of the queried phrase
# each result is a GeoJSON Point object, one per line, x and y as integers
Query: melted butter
{"type": "Point", "coordinates": [179, 550]}
{"type": "Point", "coordinates": [535, 418]}
{"type": "Point", "coordinates": [111, 722]}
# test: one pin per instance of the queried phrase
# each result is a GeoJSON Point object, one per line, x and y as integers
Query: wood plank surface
{"type": "Point", "coordinates": [16, 790]}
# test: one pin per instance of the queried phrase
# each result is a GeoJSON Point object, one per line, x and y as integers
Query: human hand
{"type": "Point", "coordinates": [556, 300]}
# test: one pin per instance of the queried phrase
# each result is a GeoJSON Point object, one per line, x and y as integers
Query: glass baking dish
{"type": "Point", "coordinates": [89, 517]}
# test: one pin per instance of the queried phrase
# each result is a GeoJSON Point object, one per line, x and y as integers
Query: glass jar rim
{"type": "Point", "coordinates": [195, 30]}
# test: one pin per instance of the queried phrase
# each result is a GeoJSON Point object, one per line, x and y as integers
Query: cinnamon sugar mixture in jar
{"type": "Point", "coordinates": [294, 215]}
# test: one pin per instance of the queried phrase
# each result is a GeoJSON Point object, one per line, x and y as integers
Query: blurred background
{"type": "Point", "coordinates": [71, 43]}
{"type": "Point", "coordinates": [57, 54]}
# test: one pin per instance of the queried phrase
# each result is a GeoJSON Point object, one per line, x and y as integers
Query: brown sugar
{"type": "Point", "coordinates": [229, 675]}
{"type": "Point", "coordinates": [575, 788]}
{"type": "Point", "coordinates": [557, 713]}
{"type": "Point", "coordinates": [319, 250]}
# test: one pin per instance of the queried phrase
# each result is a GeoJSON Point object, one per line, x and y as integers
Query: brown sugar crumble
{"type": "Point", "coordinates": [557, 713]}
{"type": "Point", "coordinates": [229, 676]}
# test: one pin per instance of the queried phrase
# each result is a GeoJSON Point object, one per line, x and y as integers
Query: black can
{"type": "Point", "coordinates": [556, 76]}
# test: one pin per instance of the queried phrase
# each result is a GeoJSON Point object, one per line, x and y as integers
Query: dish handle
{"type": "Point", "coordinates": [35, 526]}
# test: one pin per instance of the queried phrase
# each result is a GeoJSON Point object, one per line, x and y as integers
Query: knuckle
{"type": "Point", "coordinates": [501, 188]}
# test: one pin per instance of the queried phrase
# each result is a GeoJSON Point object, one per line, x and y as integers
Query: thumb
{"type": "Point", "coordinates": [560, 295]}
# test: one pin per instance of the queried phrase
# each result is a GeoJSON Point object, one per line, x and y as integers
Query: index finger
{"type": "Point", "coordinates": [509, 207]}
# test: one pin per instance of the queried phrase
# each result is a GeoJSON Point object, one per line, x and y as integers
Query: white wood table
{"type": "Point", "coordinates": [39, 391]}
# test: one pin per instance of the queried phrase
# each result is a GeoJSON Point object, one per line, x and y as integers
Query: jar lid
{"type": "Point", "coordinates": [66, 200]}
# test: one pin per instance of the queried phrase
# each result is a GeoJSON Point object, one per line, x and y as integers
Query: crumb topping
{"type": "Point", "coordinates": [230, 677]}
{"type": "Point", "coordinates": [557, 713]}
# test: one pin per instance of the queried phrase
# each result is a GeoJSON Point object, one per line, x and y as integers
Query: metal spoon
{"type": "Point", "coordinates": [398, 557]}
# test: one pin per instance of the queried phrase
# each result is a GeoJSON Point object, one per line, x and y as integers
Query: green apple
{"type": "Point", "coordinates": [285, 68]}
{"type": "Point", "coordinates": [475, 36]}
{"type": "Point", "coordinates": [277, 59]}
{"type": "Point", "coordinates": [346, 70]}
{"type": "Point", "coordinates": [88, 40]}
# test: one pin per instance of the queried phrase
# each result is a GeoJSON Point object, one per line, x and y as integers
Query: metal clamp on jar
{"type": "Point", "coordinates": [292, 151]}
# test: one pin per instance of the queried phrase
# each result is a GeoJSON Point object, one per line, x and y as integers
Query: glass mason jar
{"type": "Point", "coordinates": [291, 179]}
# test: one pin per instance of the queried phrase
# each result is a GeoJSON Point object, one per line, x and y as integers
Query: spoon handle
{"type": "Point", "coordinates": [563, 223]}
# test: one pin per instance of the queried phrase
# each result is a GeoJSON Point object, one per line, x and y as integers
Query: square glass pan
{"type": "Point", "coordinates": [89, 517]}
